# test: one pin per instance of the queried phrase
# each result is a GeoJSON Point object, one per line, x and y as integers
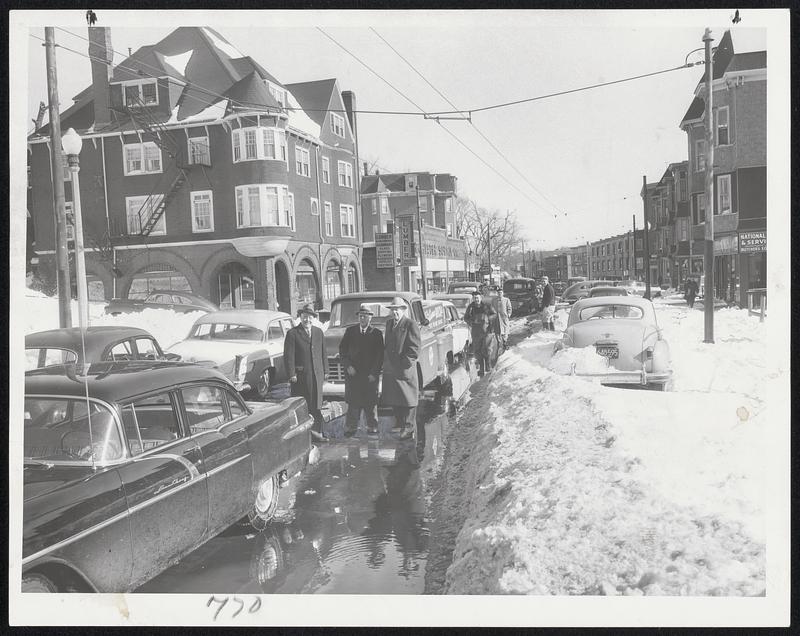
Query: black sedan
{"type": "Point", "coordinates": [133, 465]}
{"type": "Point", "coordinates": [62, 346]}
{"type": "Point", "coordinates": [180, 301]}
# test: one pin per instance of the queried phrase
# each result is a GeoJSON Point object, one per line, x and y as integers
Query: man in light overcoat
{"type": "Point", "coordinates": [400, 384]}
{"type": "Point", "coordinates": [306, 364]}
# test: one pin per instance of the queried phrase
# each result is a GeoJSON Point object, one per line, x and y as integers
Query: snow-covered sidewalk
{"type": "Point", "coordinates": [585, 489]}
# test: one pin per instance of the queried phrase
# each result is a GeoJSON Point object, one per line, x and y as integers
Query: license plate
{"type": "Point", "coordinates": [608, 352]}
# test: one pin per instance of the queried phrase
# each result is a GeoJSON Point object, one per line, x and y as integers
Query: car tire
{"type": "Point", "coordinates": [264, 383]}
{"type": "Point", "coordinates": [265, 504]}
{"type": "Point", "coordinates": [38, 583]}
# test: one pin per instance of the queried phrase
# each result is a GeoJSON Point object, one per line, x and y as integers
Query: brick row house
{"type": "Point", "coordinates": [616, 257]}
{"type": "Point", "coordinates": [201, 171]}
{"type": "Point", "coordinates": [391, 203]}
{"type": "Point", "coordinates": [739, 104]}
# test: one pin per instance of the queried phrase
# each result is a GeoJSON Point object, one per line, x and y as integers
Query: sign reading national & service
{"type": "Point", "coordinates": [384, 250]}
{"type": "Point", "coordinates": [755, 241]}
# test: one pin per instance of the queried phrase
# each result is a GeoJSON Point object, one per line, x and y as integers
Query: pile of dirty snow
{"type": "Point", "coordinates": [583, 489]}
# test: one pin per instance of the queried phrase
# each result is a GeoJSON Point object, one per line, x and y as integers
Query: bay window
{"type": "Point", "coordinates": [258, 142]}
{"type": "Point", "coordinates": [264, 205]}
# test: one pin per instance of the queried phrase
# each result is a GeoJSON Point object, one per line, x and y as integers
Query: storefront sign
{"type": "Point", "coordinates": [384, 250]}
{"type": "Point", "coordinates": [753, 241]}
{"type": "Point", "coordinates": [408, 251]}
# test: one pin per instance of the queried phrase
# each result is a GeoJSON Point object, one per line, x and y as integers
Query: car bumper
{"type": "Point", "coordinates": [242, 387]}
{"type": "Point", "coordinates": [333, 389]}
{"type": "Point", "coordinates": [627, 377]}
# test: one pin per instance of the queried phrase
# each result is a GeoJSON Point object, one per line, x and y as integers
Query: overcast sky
{"type": "Point", "coordinates": [582, 154]}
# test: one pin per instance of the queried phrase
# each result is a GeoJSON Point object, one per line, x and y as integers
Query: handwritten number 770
{"type": "Point", "coordinates": [223, 601]}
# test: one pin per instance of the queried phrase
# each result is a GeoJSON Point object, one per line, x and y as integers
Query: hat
{"type": "Point", "coordinates": [545, 278]}
{"type": "Point", "coordinates": [397, 303]}
{"type": "Point", "coordinates": [308, 308]}
{"type": "Point", "coordinates": [364, 309]}
{"type": "Point", "coordinates": [477, 293]}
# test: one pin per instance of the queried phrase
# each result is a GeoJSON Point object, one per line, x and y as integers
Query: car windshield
{"type": "Point", "coordinates": [345, 312]}
{"type": "Point", "coordinates": [57, 429]}
{"type": "Point", "coordinates": [514, 286]}
{"type": "Point", "coordinates": [598, 312]}
{"type": "Point", "coordinates": [226, 331]}
{"type": "Point", "coordinates": [462, 289]}
{"type": "Point", "coordinates": [38, 357]}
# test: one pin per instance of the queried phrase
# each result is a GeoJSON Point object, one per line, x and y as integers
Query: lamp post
{"type": "Point", "coordinates": [71, 143]}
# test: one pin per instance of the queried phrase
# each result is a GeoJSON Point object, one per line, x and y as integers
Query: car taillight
{"type": "Point", "coordinates": [240, 369]}
{"type": "Point", "coordinates": [648, 353]}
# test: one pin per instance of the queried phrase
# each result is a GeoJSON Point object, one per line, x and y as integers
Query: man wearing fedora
{"type": "Point", "coordinates": [306, 364]}
{"type": "Point", "coordinates": [400, 384]}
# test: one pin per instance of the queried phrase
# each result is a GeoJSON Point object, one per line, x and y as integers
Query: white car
{"type": "Point", "coordinates": [624, 330]}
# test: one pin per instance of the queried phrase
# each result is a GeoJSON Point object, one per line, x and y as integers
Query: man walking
{"type": "Point", "coordinates": [400, 384]}
{"type": "Point", "coordinates": [502, 306]}
{"type": "Point", "coordinates": [479, 317]}
{"type": "Point", "coordinates": [548, 304]}
{"type": "Point", "coordinates": [306, 364]}
{"type": "Point", "coordinates": [690, 291]}
{"type": "Point", "coordinates": [361, 352]}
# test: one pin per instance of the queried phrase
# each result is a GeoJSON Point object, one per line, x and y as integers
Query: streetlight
{"type": "Point", "coordinates": [71, 143]}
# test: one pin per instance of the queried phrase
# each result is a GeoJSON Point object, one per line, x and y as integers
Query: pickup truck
{"type": "Point", "coordinates": [180, 301]}
{"type": "Point", "coordinates": [436, 353]}
{"type": "Point", "coordinates": [135, 464]}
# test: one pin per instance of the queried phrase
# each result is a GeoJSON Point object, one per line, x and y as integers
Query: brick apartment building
{"type": "Point", "coordinates": [613, 258]}
{"type": "Point", "coordinates": [201, 171]}
{"type": "Point", "coordinates": [739, 102]}
{"type": "Point", "coordinates": [390, 203]}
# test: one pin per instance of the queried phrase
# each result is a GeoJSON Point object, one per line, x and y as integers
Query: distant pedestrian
{"type": "Point", "coordinates": [307, 365]}
{"type": "Point", "coordinates": [479, 317]}
{"type": "Point", "coordinates": [690, 291]}
{"type": "Point", "coordinates": [361, 352]}
{"type": "Point", "coordinates": [400, 383]}
{"type": "Point", "coordinates": [548, 305]}
{"type": "Point", "coordinates": [502, 306]}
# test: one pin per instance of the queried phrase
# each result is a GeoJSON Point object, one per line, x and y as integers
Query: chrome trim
{"type": "Point", "coordinates": [335, 389]}
{"type": "Point", "coordinates": [297, 430]}
{"type": "Point", "coordinates": [75, 537]}
{"type": "Point", "coordinates": [187, 464]}
{"type": "Point", "coordinates": [164, 494]}
{"type": "Point", "coordinates": [213, 471]}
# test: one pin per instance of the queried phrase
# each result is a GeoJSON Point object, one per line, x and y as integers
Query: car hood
{"type": "Point", "coordinates": [217, 352]}
{"type": "Point", "coordinates": [627, 334]}
{"type": "Point", "coordinates": [39, 479]}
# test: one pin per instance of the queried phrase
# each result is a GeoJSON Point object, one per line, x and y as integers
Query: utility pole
{"type": "Point", "coordinates": [421, 250]}
{"type": "Point", "coordinates": [634, 268]}
{"type": "Point", "coordinates": [524, 271]}
{"type": "Point", "coordinates": [62, 255]}
{"type": "Point", "coordinates": [708, 258]}
{"type": "Point", "coordinates": [489, 247]}
{"type": "Point", "coordinates": [646, 241]}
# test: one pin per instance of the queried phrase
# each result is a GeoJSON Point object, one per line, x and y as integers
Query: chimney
{"type": "Point", "coordinates": [100, 52]}
{"type": "Point", "coordinates": [377, 172]}
{"type": "Point", "coordinates": [366, 169]}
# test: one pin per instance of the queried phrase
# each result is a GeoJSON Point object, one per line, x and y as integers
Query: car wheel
{"type": "Point", "coordinates": [264, 383]}
{"type": "Point", "coordinates": [265, 504]}
{"type": "Point", "coordinates": [38, 583]}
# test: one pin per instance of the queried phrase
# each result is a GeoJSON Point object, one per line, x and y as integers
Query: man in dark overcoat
{"type": "Point", "coordinates": [361, 352]}
{"type": "Point", "coordinates": [548, 305]}
{"type": "Point", "coordinates": [306, 364]}
{"type": "Point", "coordinates": [400, 384]}
{"type": "Point", "coordinates": [479, 316]}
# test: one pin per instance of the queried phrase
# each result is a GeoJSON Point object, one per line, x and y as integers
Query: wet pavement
{"type": "Point", "coordinates": [356, 522]}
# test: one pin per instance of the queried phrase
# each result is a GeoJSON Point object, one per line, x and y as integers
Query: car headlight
{"type": "Point", "coordinates": [240, 368]}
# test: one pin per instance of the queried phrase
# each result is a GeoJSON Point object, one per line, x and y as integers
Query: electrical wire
{"type": "Point", "coordinates": [473, 124]}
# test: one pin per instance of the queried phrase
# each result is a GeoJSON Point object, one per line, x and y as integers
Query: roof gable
{"type": "Point", "coordinates": [250, 92]}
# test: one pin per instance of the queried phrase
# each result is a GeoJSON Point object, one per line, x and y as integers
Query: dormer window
{"type": "Point", "coordinates": [337, 125]}
{"type": "Point", "coordinates": [141, 93]}
{"type": "Point", "coordinates": [278, 93]}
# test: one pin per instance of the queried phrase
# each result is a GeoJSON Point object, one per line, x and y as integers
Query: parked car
{"type": "Point", "coordinates": [432, 364]}
{"type": "Point", "coordinates": [134, 465]}
{"type": "Point", "coordinates": [581, 290]}
{"type": "Point", "coordinates": [623, 329]}
{"type": "Point", "coordinates": [61, 346]}
{"type": "Point", "coordinates": [634, 287]}
{"type": "Point", "coordinates": [180, 301]}
{"type": "Point", "coordinates": [607, 291]}
{"type": "Point", "coordinates": [559, 287]}
{"type": "Point", "coordinates": [453, 333]}
{"type": "Point", "coordinates": [460, 301]}
{"type": "Point", "coordinates": [244, 344]}
{"type": "Point", "coordinates": [522, 294]}
{"type": "Point", "coordinates": [463, 287]}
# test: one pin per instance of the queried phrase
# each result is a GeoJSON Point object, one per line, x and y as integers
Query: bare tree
{"type": "Point", "coordinates": [481, 228]}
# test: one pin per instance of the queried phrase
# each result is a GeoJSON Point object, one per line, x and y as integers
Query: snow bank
{"type": "Point", "coordinates": [583, 489]}
{"type": "Point", "coordinates": [168, 327]}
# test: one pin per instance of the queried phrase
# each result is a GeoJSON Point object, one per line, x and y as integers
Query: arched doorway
{"type": "Point", "coordinates": [333, 279]}
{"type": "Point", "coordinates": [283, 294]}
{"type": "Point", "coordinates": [306, 283]}
{"type": "Point", "coordinates": [234, 287]}
{"type": "Point", "coordinates": [157, 276]}
{"type": "Point", "coordinates": [352, 278]}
